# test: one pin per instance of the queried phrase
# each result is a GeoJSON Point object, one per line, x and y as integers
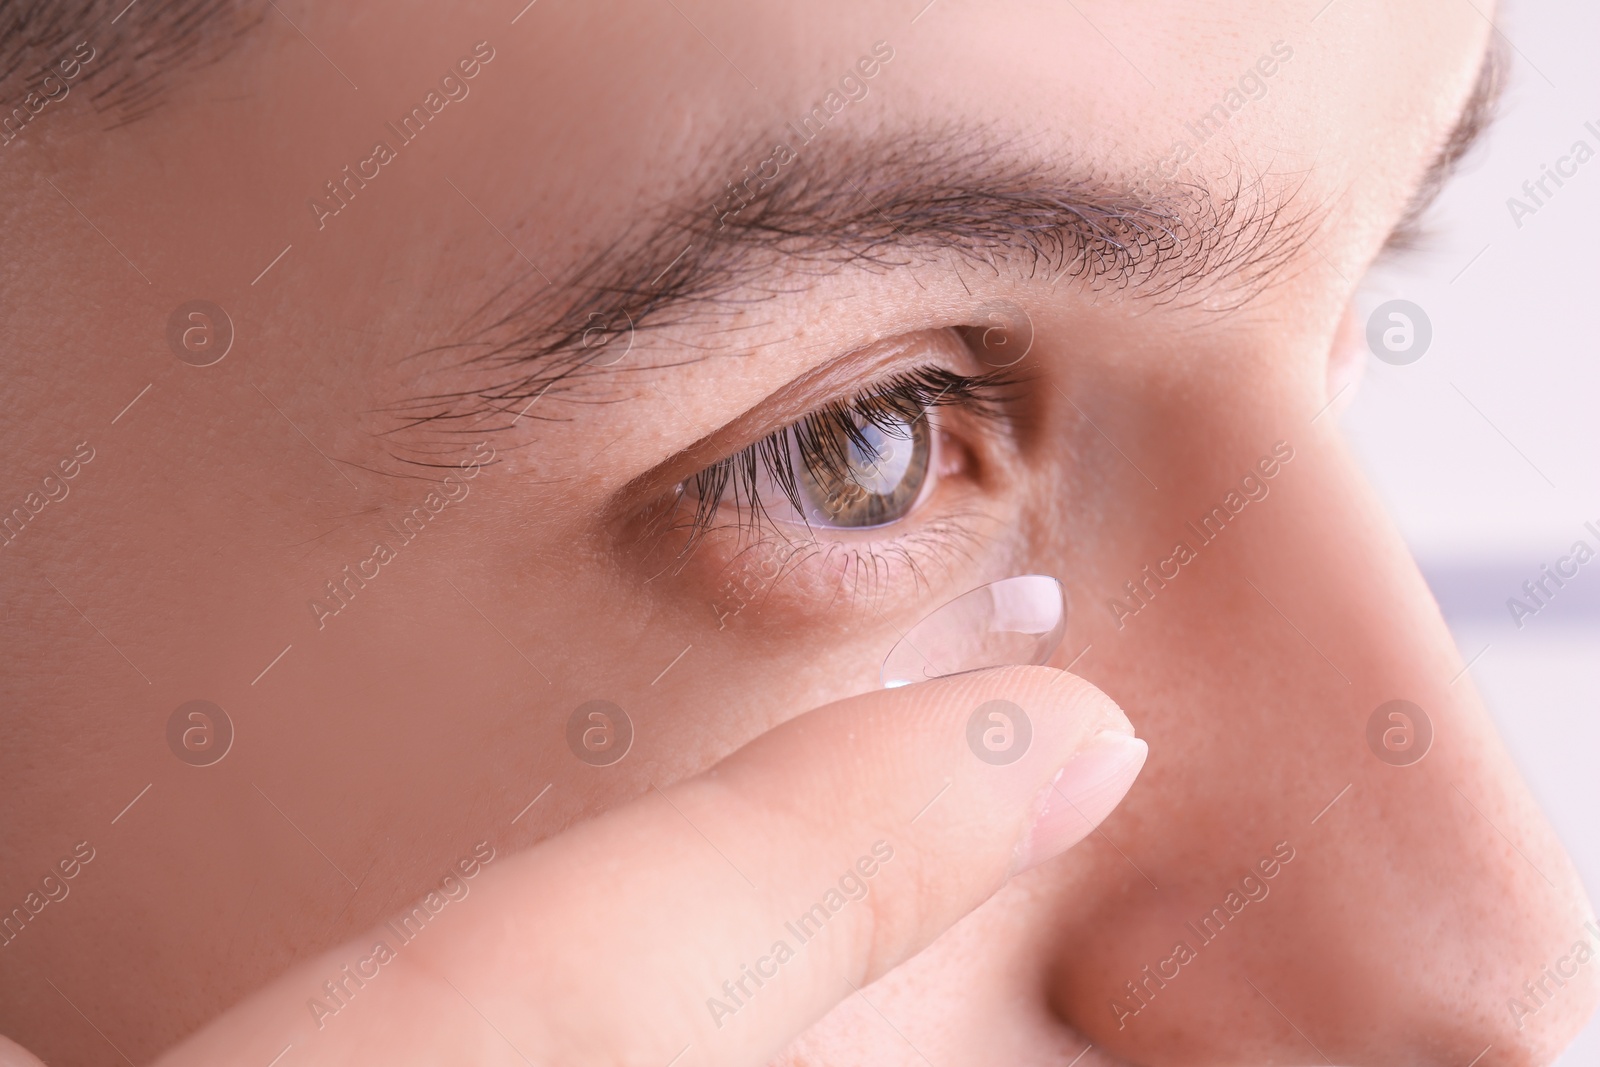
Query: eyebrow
{"type": "Point", "coordinates": [877, 204]}
{"type": "Point", "coordinates": [137, 58]}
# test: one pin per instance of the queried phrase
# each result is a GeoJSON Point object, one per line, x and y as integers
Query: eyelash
{"type": "Point", "coordinates": [817, 437]}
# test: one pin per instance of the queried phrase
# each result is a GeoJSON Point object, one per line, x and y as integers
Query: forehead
{"type": "Point", "coordinates": [593, 112]}
{"type": "Point", "coordinates": [590, 118]}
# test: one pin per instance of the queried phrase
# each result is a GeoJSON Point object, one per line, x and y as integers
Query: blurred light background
{"type": "Point", "coordinates": [1487, 449]}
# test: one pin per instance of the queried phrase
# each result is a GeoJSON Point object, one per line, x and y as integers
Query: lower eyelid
{"type": "Point", "coordinates": [771, 580]}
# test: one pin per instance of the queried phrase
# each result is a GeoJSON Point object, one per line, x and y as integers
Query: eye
{"type": "Point", "coordinates": [854, 464]}
{"type": "Point", "coordinates": [871, 477]}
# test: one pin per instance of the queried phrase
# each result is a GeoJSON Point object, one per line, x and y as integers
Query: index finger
{"type": "Point", "coordinates": [713, 921]}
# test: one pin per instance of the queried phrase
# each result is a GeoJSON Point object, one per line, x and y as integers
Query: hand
{"type": "Point", "coordinates": [718, 919]}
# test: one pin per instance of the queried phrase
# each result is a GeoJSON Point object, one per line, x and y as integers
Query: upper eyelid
{"type": "Point", "coordinates": [991, 381]}
{"type": "Point", "coordinates": [838, 379]}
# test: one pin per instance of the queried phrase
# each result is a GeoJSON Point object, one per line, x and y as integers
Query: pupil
{"type": "Point", "coordinates": [880, 482]}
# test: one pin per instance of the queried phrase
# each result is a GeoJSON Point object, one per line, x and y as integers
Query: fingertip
{"type": "Point", "coordinates": [14, 1055]}
{"type": "Point", "coordinates": [1047, 689]}
{"type": "Point", "coordinates": [1080, 796]}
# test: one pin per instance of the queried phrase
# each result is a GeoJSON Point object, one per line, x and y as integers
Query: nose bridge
{"type": "Point", "coordinates": [1340, 858]}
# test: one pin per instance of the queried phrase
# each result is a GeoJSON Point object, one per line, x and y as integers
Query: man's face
{"type": "Point", "coordinates": [444, 488]}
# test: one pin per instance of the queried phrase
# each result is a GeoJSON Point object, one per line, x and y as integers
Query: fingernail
{"type": "Point", "coordinates": [1081, 795]}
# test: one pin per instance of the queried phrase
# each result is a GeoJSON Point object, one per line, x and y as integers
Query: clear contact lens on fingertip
{"type": "Point", "coordinates": [1014, 621]}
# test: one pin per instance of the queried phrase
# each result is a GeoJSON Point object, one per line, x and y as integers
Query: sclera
{"type": "Point", "coordinates": [1018, 620]}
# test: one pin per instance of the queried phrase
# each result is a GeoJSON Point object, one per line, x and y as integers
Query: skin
{"type": "Point", "coordinates": [425, 716]}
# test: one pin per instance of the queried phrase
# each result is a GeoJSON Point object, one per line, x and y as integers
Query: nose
{"type": "Point", "coordinates": [1330, 857]}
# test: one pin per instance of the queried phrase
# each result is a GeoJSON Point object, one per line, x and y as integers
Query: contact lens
{"type": "Point", "coordinates": [1017, 620]}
